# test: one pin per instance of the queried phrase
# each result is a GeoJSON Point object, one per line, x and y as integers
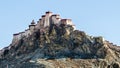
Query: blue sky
{"type": "Point", "coordinates": [95, 17]}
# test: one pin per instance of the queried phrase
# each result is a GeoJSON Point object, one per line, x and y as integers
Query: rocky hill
{"type": "Point", "coordinates": [54, 43]}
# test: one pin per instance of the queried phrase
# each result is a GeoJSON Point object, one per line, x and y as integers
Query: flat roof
{"type": "Point", "coordinates": [43, 15]}
{"type": "Point", "coordinates": [55, 15]}
{"type": "Point", "coordinates": [48, 12]}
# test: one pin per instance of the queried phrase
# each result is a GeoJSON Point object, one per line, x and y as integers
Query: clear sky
{"type": "Point", "coordinates": [95, 17]}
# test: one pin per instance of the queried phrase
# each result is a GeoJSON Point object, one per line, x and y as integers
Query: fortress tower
{"type": "Point", "coordinates": [32, 26]}
{"type": "Point", "coordinates": [42, 22]}
{"type": "Point", "coordinates": [48, 13]}
{"type": "Point", "coordinates": [66, 21]}
{"type": "Point", "coordinates": [58, 21]}
{"type": "Point", "coordinates": [54, 18]}
{"type": "Point", "coordinates": [47, 18]}
{"type": "Point", "coordinates": [37, 26]}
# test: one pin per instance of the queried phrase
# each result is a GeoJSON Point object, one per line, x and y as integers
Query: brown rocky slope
{"type": "Point", "coordinates": [59, 46]}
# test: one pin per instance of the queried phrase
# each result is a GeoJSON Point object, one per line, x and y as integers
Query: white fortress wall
{"type": "Point", "coordinates": [17, 37]}
{"type": "Point", "coordinates": [53, 17]}
{"type": "Point", "coordinates": [37, 26]}
{"type": "Point", "coordinates": [42, 21]}
{"type": "Point", "coordinates": [57, 16]}
{"type": "Point", "coordinates": [69, 22]}
{"type": "Point", "coordinates": [47, 19]}
{"type": "Point", "coordinates": [22, 34]}
{"type": "Point", "coordinates": [58, 21]}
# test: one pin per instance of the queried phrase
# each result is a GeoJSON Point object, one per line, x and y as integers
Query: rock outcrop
{"type": "Point", "coordinates": [54, 43]}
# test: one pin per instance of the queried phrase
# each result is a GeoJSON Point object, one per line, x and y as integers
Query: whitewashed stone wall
{"type": "Point", "coordinates": [54, 20]}
{"type": "Point", "coordinates": [22, 34]}
{"type": "Point", "coordinates": [69, 22]}
{"type": "Point", "coordinates": [47, 20]}
{"type": "Point", "coordinates": [37, 26]}
{"type": "Point", "coordinates": [58, 21]}
{"type": "Point", "coordinates": [42, 21]}
{"type": "Point", "coordinates": [16, 37]}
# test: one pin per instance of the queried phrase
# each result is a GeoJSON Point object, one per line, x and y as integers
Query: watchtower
{"type": "Point", "coordinates": [47, 19]}
{"type": "Point", "coordinates": [66, 21]}
{"type": "Point", "coordinates": [32, 26]}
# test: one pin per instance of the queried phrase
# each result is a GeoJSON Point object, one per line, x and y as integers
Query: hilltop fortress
{"type": "Point", "coordinates": [45, 23]}
{"type": "Point", "coordinates": [53, 42]}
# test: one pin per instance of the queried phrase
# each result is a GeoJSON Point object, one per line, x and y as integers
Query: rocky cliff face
{"type": "Point", "coordinates": [58, 46]}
